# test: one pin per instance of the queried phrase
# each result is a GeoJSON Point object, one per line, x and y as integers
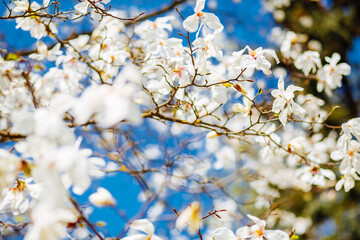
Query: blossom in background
{"type": "Point", "coordinates": [145, 226]}
{"type": "Point", "coordinates": [308, 61]}
{"type": "Point", "coordinates": [290, 39]}
{"type": "Point", "coordinates": [38, 27]}
{"type": "Point", "coordinates": [284, 101]}
{"type": "Point", "coordinates": [349, 155]}
{"type": "Point", "coordinates": [258, 232]}
{"type": "Point", "coordinates": [83, 6]}
{"type": "Point", "coordinates": [157, 29]}
{"type": "Point", "coordinates": [43, 52]}
{"type": "Point", "coordinates": [330, 76]}
{"type": "Point", "coordinates": [255, 59]}
{"type": "Point", "coordinates": [102, 197]}
{"type": "Point", "coordinates": [314, 175]}
{"type": "Point", "coordinates": [347, 180]}
{"type": "Point", "coordinates": [244, 109]}
{"type": "Point", "coordinates": [9, 167]}
{"type": "Point", "coordinates": [255, 232]}
{"type": "Point", "coordinates": [189, 217]}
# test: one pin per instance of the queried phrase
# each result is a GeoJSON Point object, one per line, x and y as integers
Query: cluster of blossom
{"type": "Point", "coordinates": [120, 76]}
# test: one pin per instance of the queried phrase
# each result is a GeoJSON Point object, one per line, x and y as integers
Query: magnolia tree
{"type": "Point", "coordinates": [214, 150]}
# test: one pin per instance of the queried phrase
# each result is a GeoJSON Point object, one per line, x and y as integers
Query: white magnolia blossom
{"type": "Point", "coordinates": [189, 217]}
{"type": "Point", "coordinates": [16, 200]}
{"type": "Point", "coordinates": [43, 52]}
{"type": "Point", "coordinates": [255, 232]}
{"type": "Point", "coordinates": [255, 59]}
{"type": "Point", "coordinates": [331, 74]}
{"type": "Point", "coordinates": [84, 5]}
{"type": "Point", "coordinates": [308, 62]}
{"type": "Point", "coordinates": [36, 25]}
{"type": "Point", "coordinates": [102, 197]}
{"type": "Point", "coordinates": [244, 109]}
{"type": "Point", "coordinates": [284, 101]}
{"type": "Point", "coordinates": [145, 226]}
{"type": "Point", "coordinates": [314, 175]}
{"type": "Point", "coordinates": [191, 23]}
{"type": "Point", "coordinates": [348, 152]}
{"type": "Point", "coordinates": [347, 180]}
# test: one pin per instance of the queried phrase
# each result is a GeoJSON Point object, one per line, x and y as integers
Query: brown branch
{"type": "Point", "coordinates": [82, 217]}
{"type": "Point", "coordinates": [10, 136]}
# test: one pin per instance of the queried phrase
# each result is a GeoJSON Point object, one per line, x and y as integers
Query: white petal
{"type": "Point", "coordinates": [283, 116]}
{"type": "Point", "coordinates": [213, 22]}
{"type": "Point", "coordinates": [281, 83]}
{"type": "Point", "coordinates": [349, 183]}
{"type": "Point", "coordinates": [344, 69]}
{"type": "Point", "coordinates": [337, 155]}
{"type": "Point", "coordinates": [276, 235]}
{"type": "Point", "coordinates": [298, 110]}
{"type": "Point", "coordinates": [328, 174]}
{"type": "Point", "coordinates": [191, 23]}
{"type": "Point", "coordinates": [82, 7]}
{"type": "Point", "coordinates": [223, 233]}
{"type": "Point", "coordinates": [339, 184]}
{"type": "Point", "coordinates": [200, 4]}
{"type": "Point", "coordinates": [143, 225]}
{"type": "Point", "coordinates": [273, 54]}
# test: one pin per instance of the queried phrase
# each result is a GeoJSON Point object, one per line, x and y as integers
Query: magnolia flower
{"type": "Point", "coordinates": [258, 232]}
{"type": "Point", "coordinates": [16, 200]}
{"type": "Point", "coordinates": [223, 233]}
{"type": "Point", "coordinates": [349, 154]}
{"type": "Point", "coordinates": [37, 26]}
{"type": "Point", "coordinates": [205, 48]}
{"type": "Point", "coordinates": [189, 217]}
{"type": "Point", "coordinates": [284, 102]}
{"type": "Point", "coordinates": [244, 109]}
{"type": "Point", "coordinates": [109, 104]}
{"type": "Point", "coordinates": [308, 61]}
{"type": "Point", "coordinates": [255, 232]}
{"type": "Point", "coordinates": [164, 47]}
{"type": "Point", "coordinates": [83, 6]}
{"type": "Point", "coordinates": [43, 52]}
{"type": "Point", "coordinates": [191, 23]}
{"type": "Point", "coordinates": [225, 158]}
{"type": "Point", "coordinates": [347, 180]}
{"type": "Point", "coordinates": [212, 135]}
{"type": "Point", "coordinates": [49, 223]}
{"type": "Point", "coordinates": [314, 175]}
{"type": "Point", "coordinates": [255, 59]}
{"type": "Point", "coordinates": [152, 30]}
{"type": "Point", "coordinates": [290, 39]}
{"type": "Point", "coordinates": [219, 94]}
{"type": "Point", "coordinates": [145, 226]}
{"type": "Point", "coordinates": [21, 6]}
{"type": "Point", "coordinates": [331, 74]}
{"type": "Point", "coordinates": [102, 197]}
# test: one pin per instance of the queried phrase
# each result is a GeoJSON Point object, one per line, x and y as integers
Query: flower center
{"type": "Point", "coordinates": [253, 54]}
{"type": "Point", "coordinates": [259, 233]}
{"type": "Point", "coordinates": [351, 153]}
{"type": "Point", "coordinates": [314, 170]}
